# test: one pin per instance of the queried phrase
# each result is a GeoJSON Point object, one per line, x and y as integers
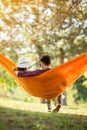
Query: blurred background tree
{"type": "Point", "coordinates": [81, 87]}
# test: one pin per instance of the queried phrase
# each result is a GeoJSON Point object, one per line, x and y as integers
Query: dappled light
{"type": "Point", "coordinates": [21, 20]}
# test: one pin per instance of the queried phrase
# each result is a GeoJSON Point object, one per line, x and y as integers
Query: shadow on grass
{"type": "Point", "coordinates": [13, 119]}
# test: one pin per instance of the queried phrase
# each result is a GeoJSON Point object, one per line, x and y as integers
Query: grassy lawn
{"type": "Point", "coordinates": [15, 115]}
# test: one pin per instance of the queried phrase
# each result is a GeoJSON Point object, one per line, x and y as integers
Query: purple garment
{"type": "Point", "coordinates": [31, 73]}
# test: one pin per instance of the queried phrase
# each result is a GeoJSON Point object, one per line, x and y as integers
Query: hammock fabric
{"type": "Point", "coordinates": [52, 83]}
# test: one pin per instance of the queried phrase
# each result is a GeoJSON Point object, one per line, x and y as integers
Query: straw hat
{"type": "Point", "coordinates": [23, 62]}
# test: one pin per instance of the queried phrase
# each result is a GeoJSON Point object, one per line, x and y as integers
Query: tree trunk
{"type": "Point", "coordinates": [40, 52]}
{"type": "Point", "coordinates": [64, 102]}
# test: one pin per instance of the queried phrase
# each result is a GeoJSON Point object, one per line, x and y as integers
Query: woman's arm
{"type": "Point", "coordinates": [30, 73]}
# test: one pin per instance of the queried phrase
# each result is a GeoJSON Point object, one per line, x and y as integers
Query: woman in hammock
{"type": "Point", "coordinates": [45, 62]}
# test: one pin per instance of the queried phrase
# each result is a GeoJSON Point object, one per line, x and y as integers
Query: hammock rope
{"type": "Point", "coordinates": [52, 83]}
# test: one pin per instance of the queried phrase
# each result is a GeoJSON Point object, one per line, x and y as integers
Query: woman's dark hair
{"type": "Point", "coordinates": [21, 69]}
{"type": "Point", "coordinates": [45, 59]}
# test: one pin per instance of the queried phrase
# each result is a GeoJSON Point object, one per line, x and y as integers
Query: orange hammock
{"type": "Point", "coordinates": [52, 83]}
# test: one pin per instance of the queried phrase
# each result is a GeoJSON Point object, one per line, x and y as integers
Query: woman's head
{"type": "Point", "coordinates": [23, 63]}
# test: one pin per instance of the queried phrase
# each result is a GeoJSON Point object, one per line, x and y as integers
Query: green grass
{"type": "Point", "coordinates": [15, 115]}
{"type": "Point", "coordinates": [13, 119]}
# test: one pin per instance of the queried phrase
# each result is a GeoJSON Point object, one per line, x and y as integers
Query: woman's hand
{"type": "Point", "coordinates": [15, 69]}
